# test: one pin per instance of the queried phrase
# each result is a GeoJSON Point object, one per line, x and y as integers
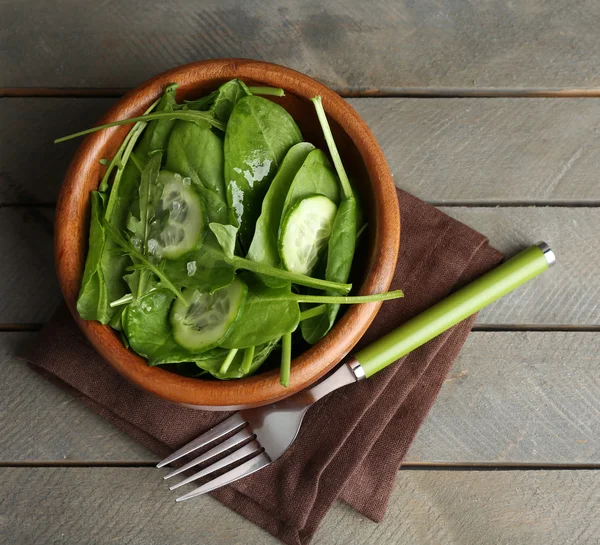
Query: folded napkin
{"type": "Point", "coordinates": [354, 440]}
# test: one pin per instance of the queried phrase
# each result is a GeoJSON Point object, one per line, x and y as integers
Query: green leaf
{"type": "Point", "coordinates": [157, 134]}
{"type": "Point", "coordinates": [267, 315]}
{"type": "Point", "coordinates": [340, 254]}
{"type": "Point", "coordinates": [315, 177]}
{"type": "Point", "coordinates": [239, 367]}
{"type": "Point", "coordinates": [264, 243]}
{"type": "Point", "coordinates": [148, 330]}
{"type": "Point", "coordinates": [196, 152]}
{"type": "Point", "coordinates": [142, 261]}
{"type": "Point", "coordinates": [92, 302]}
{"type": "Point", "coordinates": [206, 269]}
{"type": "Point", "coordinates": [227, 97]}
{"type": "Point", "coordinates": [226, 235]}
{"type": "Point", "coordinates": [259, 134]}
{"type": "Point", "coordinates": [202, 103]}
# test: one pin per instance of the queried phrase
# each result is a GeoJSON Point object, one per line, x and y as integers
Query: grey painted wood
{"type": "Point", "coordinates": [133, 507]}
{"type": "Point", "coordinates": [41, 422]}
{"type": "Point", "coordinates": [349, 45]}
{"type": "Point", "coordinates": [519, 397]}
{"type": "Point", "coordinates": [445, 151]}
{"type": "Point", "coordinates": [566, 295]}
{"type": "Point", "coordinates": [31, 165]}
{"type": "Point", "coordinates": [511, 398]}
{"type": "Point", "coordinates": [498, 150]}
{"type": "Point", "coordinates": [29, 290]}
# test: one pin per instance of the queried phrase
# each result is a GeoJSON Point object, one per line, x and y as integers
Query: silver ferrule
{"type": "Point", "coordinates": [548, 253]}
{"type": "Point", "coordinates": [357, 369]}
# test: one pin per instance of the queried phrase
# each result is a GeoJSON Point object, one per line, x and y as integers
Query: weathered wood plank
{"type": "Point", "coordinates": [59, 505]}
{"type": "Point", "coordinates": [511, 398]}
{"type": "Point", "coordinates": [29, 291]}
{"type": "Point", "coordinates": [566, 295]}
{"type": "Point", "coordinates": [349, 45]}
{"type": "Point", "coordinates": [443, 150]}
{"type": "Point", "coordinates": [490, 150]}
{"type": "Point", "coordinates": [41, 422]}
{"type": "Point", "coordinates": [31, 165]}
{"type": "Point", "coordinates": [517, 398]}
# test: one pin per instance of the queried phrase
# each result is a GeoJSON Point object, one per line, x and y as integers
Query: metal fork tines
{"type": "Point", "coordinates": [245, 444]}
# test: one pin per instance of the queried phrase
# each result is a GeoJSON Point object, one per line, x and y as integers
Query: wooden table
{"type": "Point", "coordinates": [468, 102]}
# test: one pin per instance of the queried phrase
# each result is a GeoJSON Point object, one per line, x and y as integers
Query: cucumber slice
{"type": "Point", "coordinates": [207, 319]}
{"type": "Point", "coordinates": [179, 217]}
{"type": "Point", "coordinates": [305, 232]}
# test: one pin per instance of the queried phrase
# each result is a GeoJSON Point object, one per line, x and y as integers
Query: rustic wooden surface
{"type": "Point", "coordinates": [517, 398]}
{"type": "Point", "coordinates": [519, 413]}
{"type": "Point", "coordinates": [446, 151]}
{"type": "Point", "coordinates": [441, 507]}
{"type": "Point", "coordinates": [565, 296]}
{"type": "Point", "coordinates": [351, 45]}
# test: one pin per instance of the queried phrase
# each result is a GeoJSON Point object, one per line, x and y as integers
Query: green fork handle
{"type": "Point", "coordinates": [455, 308]}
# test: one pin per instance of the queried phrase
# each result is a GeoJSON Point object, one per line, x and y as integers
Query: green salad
{"type": "Point", "coordinates": [218, 237]}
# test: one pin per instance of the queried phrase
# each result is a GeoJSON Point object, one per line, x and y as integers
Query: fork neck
{"type": "Point", "coordinates": [351, 371]}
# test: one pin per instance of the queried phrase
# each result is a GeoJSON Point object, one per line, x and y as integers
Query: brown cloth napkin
{"type": "Point", "coordinates": [354, 440]}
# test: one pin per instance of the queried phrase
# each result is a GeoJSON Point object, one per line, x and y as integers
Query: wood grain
{"type": "Point", "coordinates": [41, 422]}
{"type": "Point", "coordinates": [490, 151]}
{"type": "Point", "coordinates": [445, 151]}
{"type": "Point", "coordinates": [511, 398]}
{"type": "Point", "coordinates": [133, 506]}
{"type": "Point", "coordinates": [567, 295]}
{"type": "Point", "coordinates": [32, 167]}
{"type": "Point", "coordinates": [349, 45]}
{"type": "Point", "coordinates": [29, 290]}
{"type": "Point", "coordinates": [517, 398]}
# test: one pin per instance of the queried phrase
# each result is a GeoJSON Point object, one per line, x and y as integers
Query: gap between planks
{"type": "Point", "coordinates": [407, 466]}
{"type": "Point", "coordinates": [400, 92]}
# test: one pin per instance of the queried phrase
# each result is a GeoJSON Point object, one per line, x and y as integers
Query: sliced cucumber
{"type": "Point", "coordinates": [208, 316]}
{"type": "Point", "coordinates": [305, 232]}
{"type": "Point", "coordinates": [179, 217]}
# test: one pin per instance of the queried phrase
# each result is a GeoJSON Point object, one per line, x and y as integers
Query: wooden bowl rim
{"type": "Point", "coordinates": [262, 388]}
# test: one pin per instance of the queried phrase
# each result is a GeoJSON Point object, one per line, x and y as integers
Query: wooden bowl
{"type": "Point", "coordinates": [365, 163]}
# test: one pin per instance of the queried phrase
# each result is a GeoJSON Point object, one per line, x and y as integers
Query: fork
{"type": "Point", "coordinates": [262, 435]}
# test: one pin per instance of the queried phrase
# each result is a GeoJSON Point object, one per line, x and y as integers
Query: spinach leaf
{"type": "Point", "coordinates": [149, 195]}
{"type": "Point", "coordinates": [206, 269]}
{"type": "Point", "coordinates": [315, 177]}
{"type": "Point", "coordinates": [148, 330]}
{"type": "Point", "coordinates": [141, 261]}
{"type": "Point", "coordinates": [146, 323]}
{"type": "Point", "coordinates": [202, 103]}
{"type": "Point", "coordinates": [264, 243]}
{"type": "Point", "coordinates": [267, 315]}
{"type": "Point", "coordinates": [237, 368]}
{"type": "Point", "coordinates": [342, 242]}
{"type": "Point", "coordinates": [227, 97]}
{"type": "Point", "coordinates": [196, 152]}
{"type": "Point", "coordinates": [123, 193]}
{"type": "Point", "coordinates": [225, 235]}
{"type": "Point", "coordinates": [92, 302]}
{"type": "Point", "coordinates": [259, 134]}
{"type": "Point", "coordinates": [156, 135]}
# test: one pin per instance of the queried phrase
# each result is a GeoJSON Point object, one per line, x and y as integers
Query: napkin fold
{"type": "Point", "coordinates": [353, 441]}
